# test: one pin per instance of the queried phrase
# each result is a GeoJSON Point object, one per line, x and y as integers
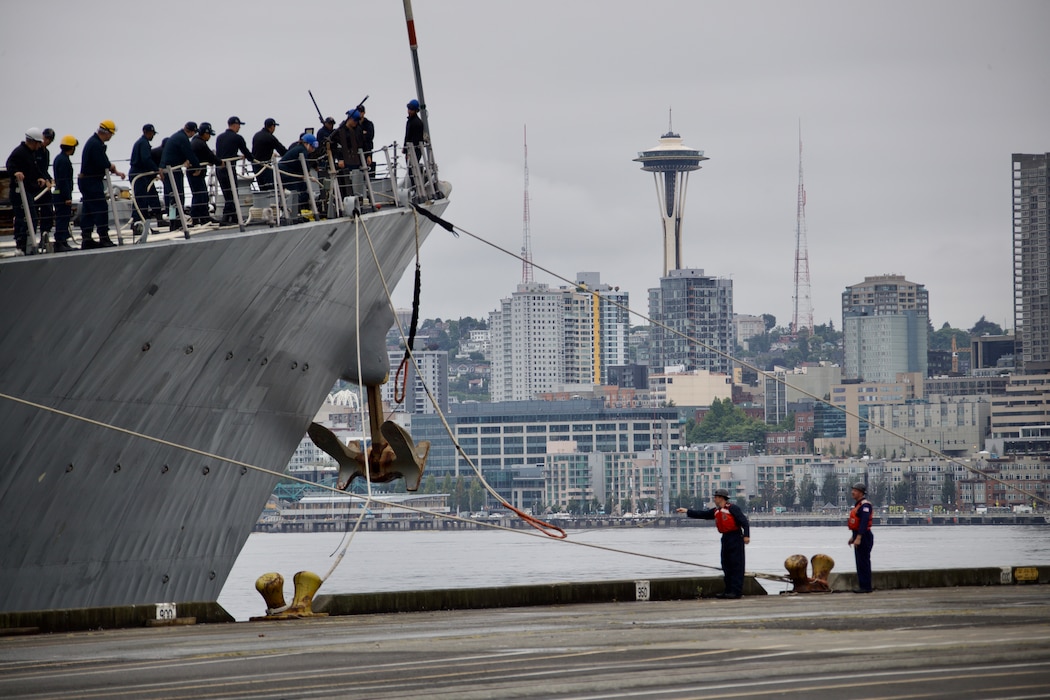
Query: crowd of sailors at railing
{"type": "Point", "coordinates": [325, 175]}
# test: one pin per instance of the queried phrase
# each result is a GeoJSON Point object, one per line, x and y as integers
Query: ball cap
{"type": "Point", "coordinates": [722, 492]}
{"type": "Point", "coordinates": [148, 128]}
{"type": "Point", "coordinates": [270, 121]}
{"type": "Point", "coordinates": [329, 120]}
{"type": "Point", "coordinates": [234, 120]}
{"type": "Point", "coordinates": [190, 126]}
{"type": "Point", "coordinates": [310, 139]}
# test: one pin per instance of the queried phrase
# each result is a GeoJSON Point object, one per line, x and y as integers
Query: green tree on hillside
{"type": "Point", "coordinates": [725, 422]}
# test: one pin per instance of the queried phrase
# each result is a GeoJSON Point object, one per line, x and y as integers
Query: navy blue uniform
{"type": "Point", "coordinates": [860, 526]}
{"type": "Point", "coordinates": [292, 176]}
{"type": "Point", "coordinates": [176, 152]}
{"type": "Point", "coordinates": [198, 179]}
{"type": "Point", "coordinates": [734, 529]}
{"type": "Point", "coordinates": [263, 146]}
{"type": "Point", "coordinates": [63, 195]}
{"type": "Point", "coordinates": [92, 184]}
{"type": "Point", "coordinates": [22, 160]}
{"type": "Point", "coordinates": [146, 197]}
{"type": "Point", "coordinates": [227, 145]}
{"type": "Point", "coordinates": [44, 209]}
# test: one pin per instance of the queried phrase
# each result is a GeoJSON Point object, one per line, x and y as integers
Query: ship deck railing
{"type": "Point", "coordinates": [385, 187]}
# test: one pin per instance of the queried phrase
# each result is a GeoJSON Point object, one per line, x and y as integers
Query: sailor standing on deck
{"type": "Point", "coordinates": [366, 136]}
{"type": "Point", "coordinates": [144, 187]}
{"type": "Point", "coordinates": [293, 177]}
{"type": "Point", "coordinates": [264, 143]}
{"type": "Point", "coordinates": [45, 209]}
{"type": "Point", "coordinates": [22, 166]}
{"type": "Point", "coordinates": [177, 153]}
{"type": "Point", "coordinates": [861, 538]}
{"type": "Point", "coordinates": [62, 196]}
{"type": "Point", "coordinates": [227, 146]}
{"type": "Point", "coordinates": [198, 177]}
{"type": "Point", "coordinates": [92, 184]}
{"type": "Point", "coordinates": [346, 147]}
{"type": "Point", "coordinates": [736, 532]}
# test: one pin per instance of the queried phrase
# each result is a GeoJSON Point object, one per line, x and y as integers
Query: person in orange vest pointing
{"type": "Point", "coordinates": [860, 537]}
{"type": "Point", "coordinates": [736, 532]}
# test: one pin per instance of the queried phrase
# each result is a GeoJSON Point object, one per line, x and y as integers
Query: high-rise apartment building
{"type": "Point", "coordinates": [690, 306]}
{"type": "Point", "coordinates": [885, 327]}
{"type": "Point", "coordinates": [412, 387]}
{"type": "Point", "coordinates": [1031, 181]}
{"type": "Point", "coordinates": [543, 338]}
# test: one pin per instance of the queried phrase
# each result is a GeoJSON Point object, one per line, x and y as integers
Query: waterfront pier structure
{"type": "Point", "coordinates": [670, 162]}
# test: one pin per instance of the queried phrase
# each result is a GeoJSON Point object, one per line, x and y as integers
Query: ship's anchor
{"type": "Point", "coordinates": [796, 566]}
{"type": "Point", "coordinates": [393, 453]}
{"type": "Point", "coordinates": [271, 587]}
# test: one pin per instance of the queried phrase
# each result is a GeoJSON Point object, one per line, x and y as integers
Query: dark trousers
{"type": "Point", "coordinates": [63, 215]}
{"type": "Point", "coordinates": [94, 214]}
{"type": "Point", "coordinates": [199, 189]}
{"type": "Point", "coordinates": [21, 224]}
{"type": "Point", "coordinates": [146, 197]}
{"type": "Point", "coordinates": [298, 199]}
{"type": "Point", "coordinates": [45, 212]}
{"type": "Point", "coordinates": [733, 562]}
{"type": "Point", "coordinates": [170, 193]}
{"type": "Point", "coordinates": [862, 555]}
{"type": "Point", "coordinates": [229, 196]}
{"type": "Point", "coordinates": [263, 176]}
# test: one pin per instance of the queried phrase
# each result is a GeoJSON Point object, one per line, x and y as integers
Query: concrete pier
{"type": "Point", "coordinates": [959, 642]}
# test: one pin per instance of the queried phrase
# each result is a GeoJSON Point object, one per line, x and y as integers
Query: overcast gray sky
{"type": "Point", "coordinates": [909, 113]}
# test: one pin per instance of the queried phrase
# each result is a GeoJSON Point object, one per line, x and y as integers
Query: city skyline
{"type": "Point", "coordinates": [910, 115]}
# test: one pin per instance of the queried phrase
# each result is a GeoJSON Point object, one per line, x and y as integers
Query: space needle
{"type": "Point", "coordinates": [670, 162]}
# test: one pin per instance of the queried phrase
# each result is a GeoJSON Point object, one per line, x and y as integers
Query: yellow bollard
{"type": "Point", "coordinates": [306, 585]}
{"type": "Point", "coordinates": [271, 588]}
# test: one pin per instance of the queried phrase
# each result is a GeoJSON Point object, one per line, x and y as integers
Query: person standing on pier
{"type": "Point", "coordinates": [861, 538]}
{"type": "Point", "coordinates": [736, 532]}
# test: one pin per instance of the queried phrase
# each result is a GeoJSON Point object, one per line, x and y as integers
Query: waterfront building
{"type": "Point", "coordinates": [1025, 404]}
{"type": "Point", "coordinates": [787, 386]}
{"type": "Point", "coordinates": [982, 385]}
{"type": "Point", "coordinates": [1031, 243]}
{"type": "Point", "coordinates": [542, 337]}
{"type": "Point", "coordinates": [843, 431]}
{"type": "Point", "coordinates": [748, 327]}
{"type": "Point", "coordinates": [676, 387]}
{"type": "Point", "coordinates": [1006, 482]}
{"type": "Point", "coordinates": [509, 435]}
{"type": "Point", "coordinates": [951, 425]}
{"type": "Point", "coordinates": [631, 481]}
{"type": "Point", "coordinates": [412, 386]}
{"type": "Point", "coordinates": [687, 307]}
{"type": "Point", "coordinates": [885, 327]}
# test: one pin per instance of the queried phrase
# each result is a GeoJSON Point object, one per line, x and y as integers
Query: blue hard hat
{"type": "Point", "coordinates": [413, 104]}
{"type": "Point", "coordinates": [310, 139]}
{"type": "Point", "coordinates": [353, 114]}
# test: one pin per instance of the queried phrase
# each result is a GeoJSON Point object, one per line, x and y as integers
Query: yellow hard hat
{"type": "Point", "coordinates": [70, 140]}
{"type": "Point", "coordinates": [108, 125]}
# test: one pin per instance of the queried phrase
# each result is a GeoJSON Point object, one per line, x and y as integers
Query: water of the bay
{"type": "Point", "coordinates": [419, 560]}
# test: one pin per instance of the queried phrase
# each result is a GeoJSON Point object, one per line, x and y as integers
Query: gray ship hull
{"type": "Point", "coordinates": [226, 344]}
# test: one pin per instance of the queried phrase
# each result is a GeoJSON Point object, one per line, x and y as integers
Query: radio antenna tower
{"type": "Point", "coordinates": [803, 303]}
{"type": "Point", "coordinates": [526, 237]}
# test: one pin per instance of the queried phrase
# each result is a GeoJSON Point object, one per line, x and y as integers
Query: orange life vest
{"type": "Point", "coordinates": [724, 520]}
{"type": "Point", "coordinates": [854, 517]}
